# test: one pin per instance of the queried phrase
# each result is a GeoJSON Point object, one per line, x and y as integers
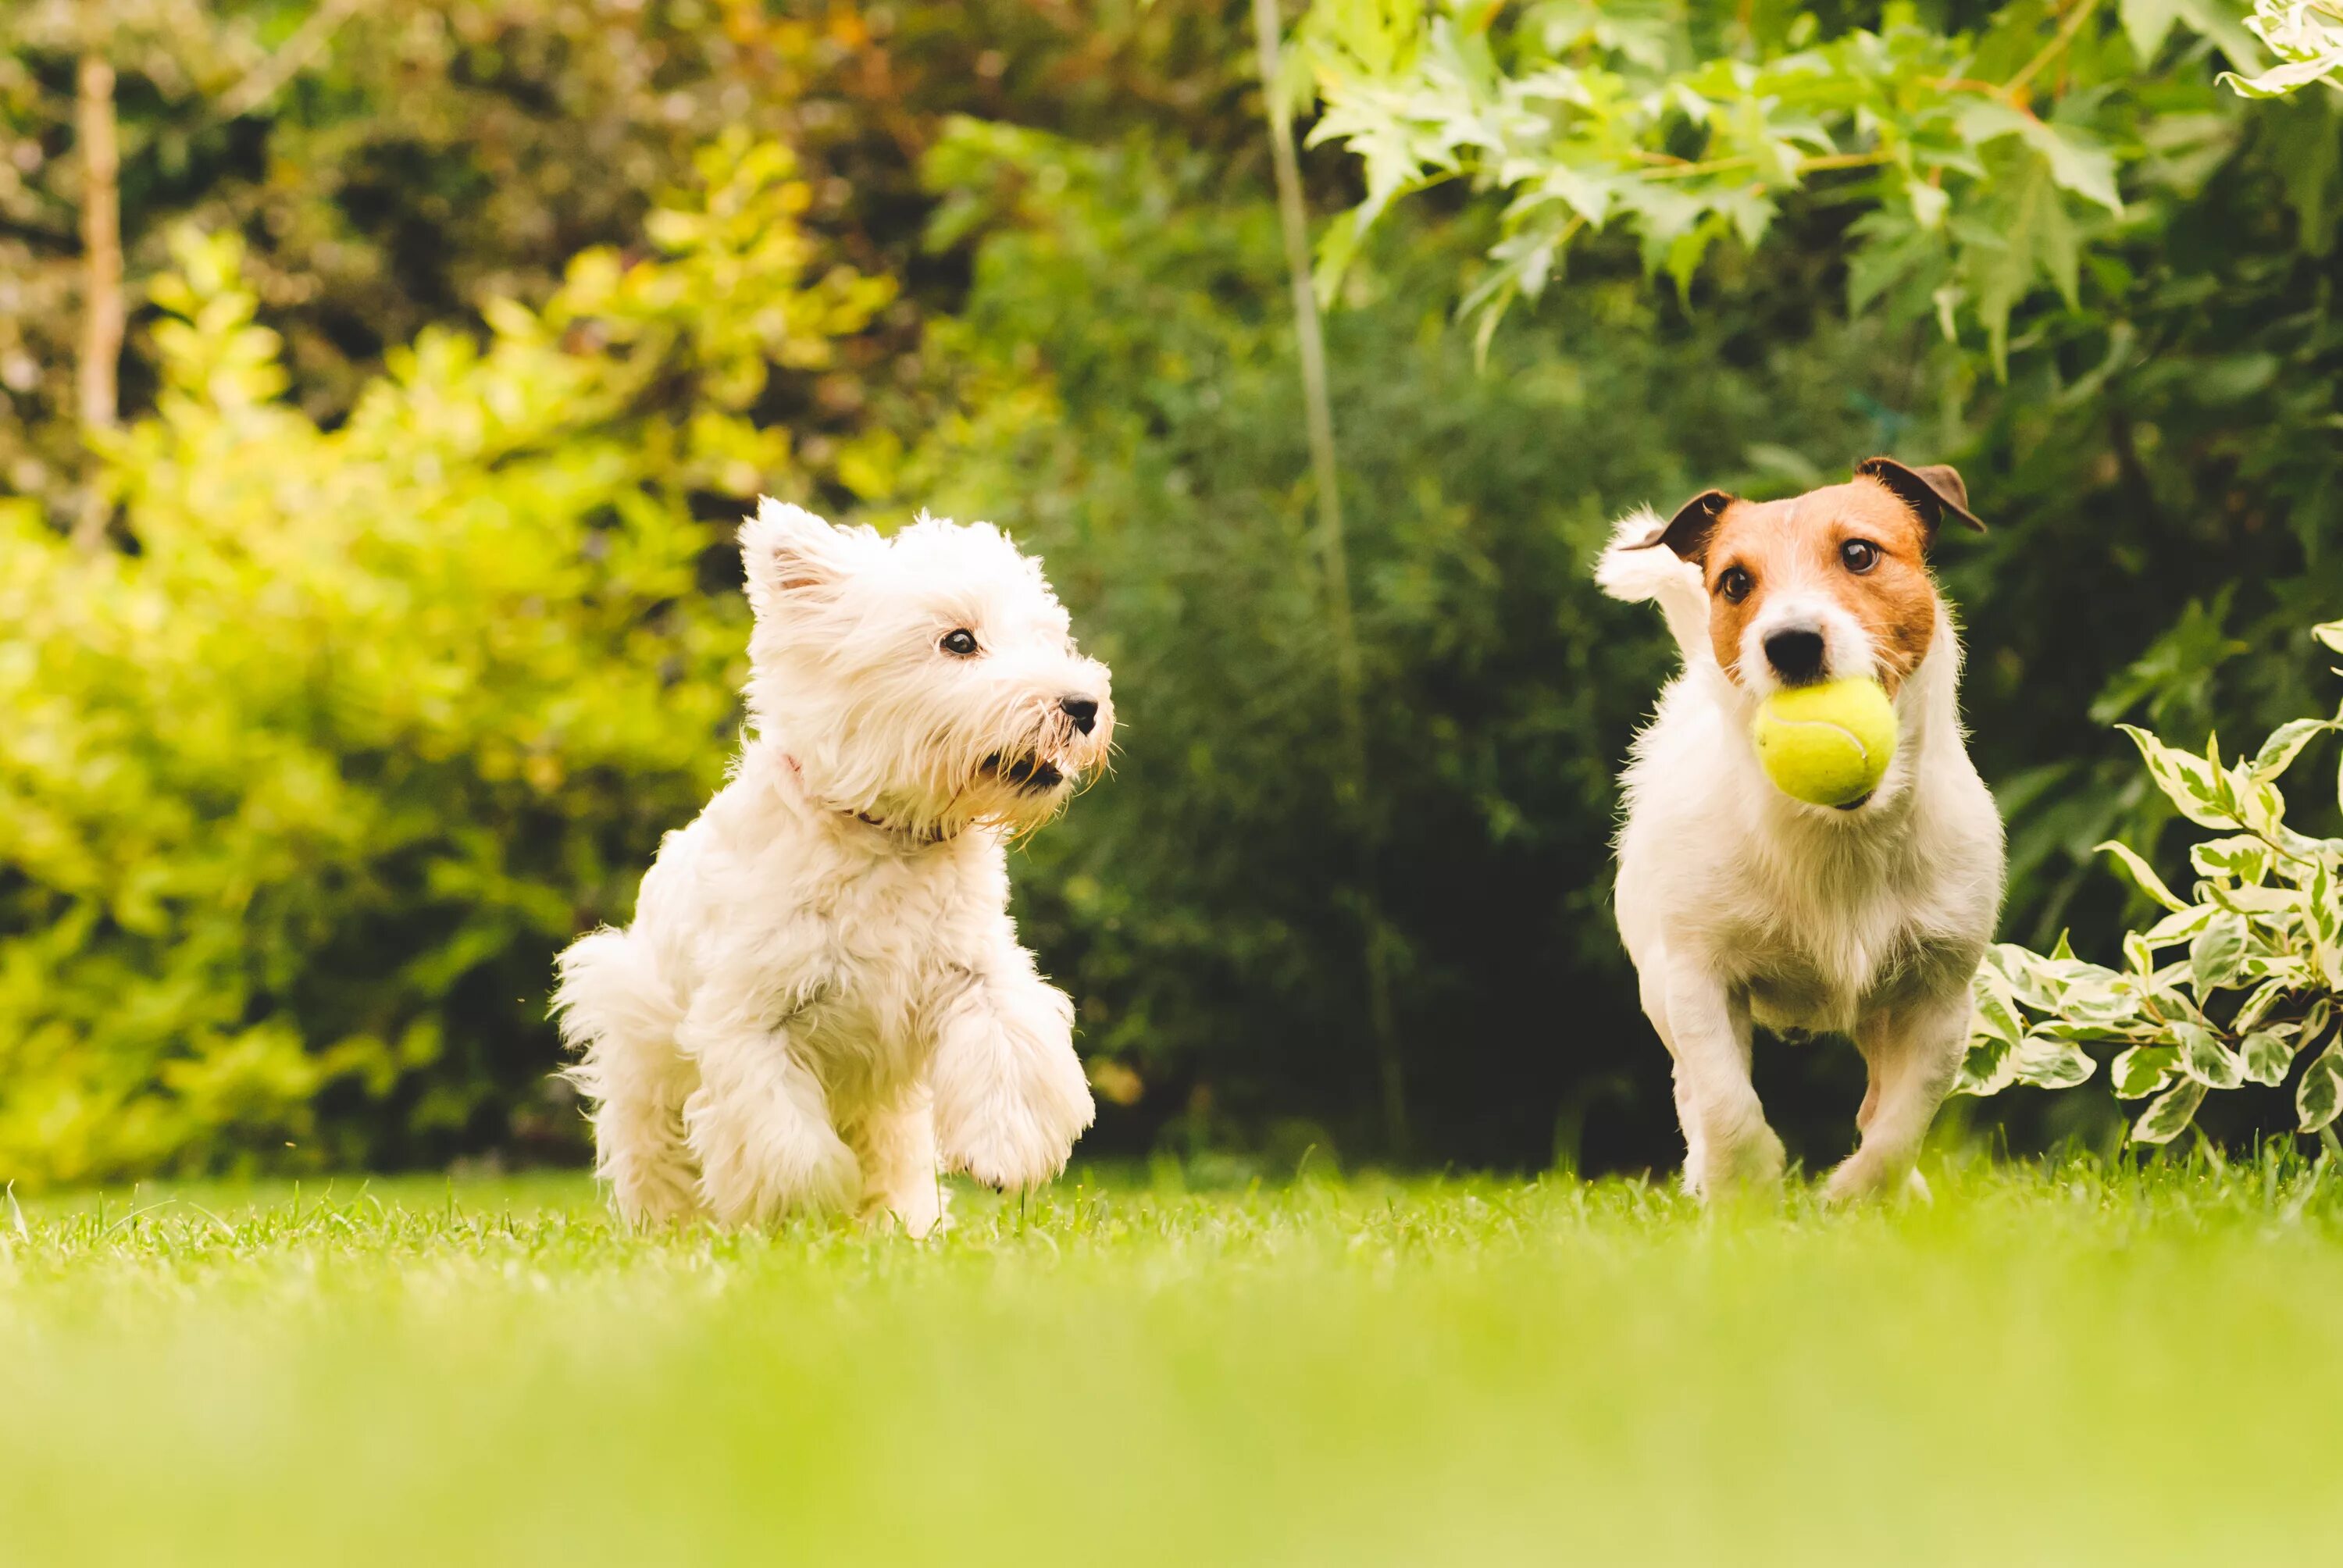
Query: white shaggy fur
{"type": "Point", "coordinates": [1737, 902]}
{"type": "Point", "coordinates": [821, 1002]}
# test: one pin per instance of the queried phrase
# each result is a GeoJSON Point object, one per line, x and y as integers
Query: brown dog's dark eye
{"type": "Point", "coordinates": [959, 642]}
{"type": "Point", "coordinates": [1859, 555]}
{"type": "Point", "coordinates": [1735, 584]}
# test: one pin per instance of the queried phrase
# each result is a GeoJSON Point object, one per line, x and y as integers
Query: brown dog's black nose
{"type": "Point", "coordinates": [1081, 710]}
{"type": "Point", "coordinates": [1796, 656]}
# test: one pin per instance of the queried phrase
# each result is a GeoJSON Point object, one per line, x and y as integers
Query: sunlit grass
{"type": "Point", "coordinates": [2042, 1366]}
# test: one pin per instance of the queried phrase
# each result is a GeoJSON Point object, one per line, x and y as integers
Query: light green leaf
{"type": "Point", "coordinates": [2285, 742]}
{"type": "Point", "coordinates": [2049, 1063]}
{"type": "Point", "coordinates": [2143, 1070]}
{"type": "Point", "coordinates": [1928, 202]}
{"type": "Point", "coordinates": [2168, 1116]}
{"type": "Point", "coordinates": [2240, 857]}
{"type": "Point", "coordinates": [1988, 1068]}
{"type": "Point", "coordinates": [2330, 632]}
{"type": "Point", "coordinates": [2281, 80]}
{"type": "Point", "coordinates": [2320, 1096]}
{"type": "Point", "coordinates": [2024, 233]}
{"type": "Point", "coordinates": [2143, 875]}
{"type": "Point", "coordinates": [1586, 192]}
{"type": "Point", "coordinates": [2035, 981]}
{"type": "Point", "coordinates": [2074, 163]}
{"type": "Point", "coordinates": [2179, 926]}
{"type": "Point", "coordinates": [2077, 164]}
{"type": "Point", "coordinates": [2089, 1034]}
{"type": "Point", "coordinates": [2256, 1006]}
{"type": "Point", "coordinates": [2282, 903]}
{"type": "Point", "coordinates": [2323, 918]}
{"type": "Point", "coordinates": [2204, 1058]}
{"type": "Point", "coordinates": [2147, 22]}
{"type": "Point", "coordinates": [2214, 956]}
{"type": "Point", "coordinates": [2190, 783]}
{"type": "Point", "coordinates": [1996, 1014]}
{"type": "Point", "coordinates": [2266, 1055]}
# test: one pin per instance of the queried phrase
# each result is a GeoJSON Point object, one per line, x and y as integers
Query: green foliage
{"type": "Point", "coordinates": [1982, 162]}
{"type": "Point", "coordinates": [297, 800]}
{"type": "Point", "coordinates": [2260, 970]}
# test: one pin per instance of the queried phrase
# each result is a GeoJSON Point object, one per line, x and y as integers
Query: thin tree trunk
{"type": "Point", "coordinates": [1318, 412]}
{"type": "Point", "coordinates": [101, 242]}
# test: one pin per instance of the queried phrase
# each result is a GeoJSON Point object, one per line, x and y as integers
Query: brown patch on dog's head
{"type": "Point", "coordinates": [1865, 543]}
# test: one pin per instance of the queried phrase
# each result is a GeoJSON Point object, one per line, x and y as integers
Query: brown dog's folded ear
{"type": "Point", "coordinates": [1932, 491]}
{"type": "Point", "coordinates": [1687, 532]}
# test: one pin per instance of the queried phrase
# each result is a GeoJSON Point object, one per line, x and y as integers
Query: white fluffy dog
{"type": "Point", "coordinates": [821, 1002]}
{"type": "Point", "coordinates": [1738, 902]}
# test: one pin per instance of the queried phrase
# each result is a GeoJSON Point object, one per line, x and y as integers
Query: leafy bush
{"type": "Point", "coordinates": [2262, 974]}
{"type": "Point", "coordinates": [297, 799]}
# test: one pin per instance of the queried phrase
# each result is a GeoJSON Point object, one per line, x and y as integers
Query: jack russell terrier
{"type": "Point", "coordinates": [1740, 904]}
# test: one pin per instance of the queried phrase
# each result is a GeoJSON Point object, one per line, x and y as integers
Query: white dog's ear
{"type": "Point", "coordinates": [1934, 492]}
{"type": "Point", "coordinates": [787, 551]}
{"type": "Point", "coordinates": [1687, 532]}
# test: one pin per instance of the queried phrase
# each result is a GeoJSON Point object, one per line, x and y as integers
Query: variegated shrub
{"type": "Point", "coordinates": [2236, 984]}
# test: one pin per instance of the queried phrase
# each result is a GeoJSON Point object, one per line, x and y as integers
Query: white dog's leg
{"type": "Point", "coordinates": [1010, 1095]}
{"type": "Point", "coordinates": [620, 1019]}
{"type": "Point", "coordinates": [759, 1122]}
{"type": "Point", "coordinates": [1728, 1144]}
{"type": "Point", "coordinates": [903, 1176]}
{"type": "Point", "coordinates": [638, 1145]}
{"type": "Point", "coordinates": [1913, 1053]}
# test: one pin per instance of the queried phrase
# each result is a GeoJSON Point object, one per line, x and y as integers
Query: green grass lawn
{"type": "Point", "coordinates": [2059, 1367]}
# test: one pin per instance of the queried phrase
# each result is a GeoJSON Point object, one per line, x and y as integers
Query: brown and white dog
{"type": "Point", "coordinates": [1736, 901]}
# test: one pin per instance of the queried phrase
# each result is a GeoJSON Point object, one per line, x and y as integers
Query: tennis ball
{"type": "Point", "coordinates": [1828, 744]}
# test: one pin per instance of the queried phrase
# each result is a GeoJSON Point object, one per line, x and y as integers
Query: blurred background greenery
{"type": "Point", "coordinates": [367, 610]}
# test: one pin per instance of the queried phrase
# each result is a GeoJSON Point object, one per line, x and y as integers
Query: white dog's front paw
{"type": "Point", "coordinates": [1747, 1161]}
{"type": "Point", "coordinates": [1023, 1137]}
{"type": "Point", "coordinates": [754, 1170]}
{"type": "Point", "coordinates": [1010, 1095]}
{"type": "Point", "coordinates": [1858, 1176]}
{"type": "Point", "coordinates": [654, 1199]}
{"type": "Point", "coordinates": [922, 1210]}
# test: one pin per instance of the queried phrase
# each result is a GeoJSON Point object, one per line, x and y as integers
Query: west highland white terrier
{"type": "Point", "coordinates": [821, 1002]}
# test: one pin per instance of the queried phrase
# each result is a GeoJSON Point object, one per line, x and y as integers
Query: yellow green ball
{"type": "Point", "coordinates": [1829, 744]}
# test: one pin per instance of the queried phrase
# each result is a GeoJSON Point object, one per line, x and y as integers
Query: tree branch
{"type": "Point", "coordinates": [101, 239]}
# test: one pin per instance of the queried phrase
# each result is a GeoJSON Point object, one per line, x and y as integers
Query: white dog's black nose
{"type": "Point", "coordinates": [1795, 656]}
{"type": "Point", "coordinates": [1081, 710]}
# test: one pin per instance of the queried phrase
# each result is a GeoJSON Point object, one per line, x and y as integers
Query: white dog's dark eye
{"type": "Point", "coordinates": [1735, 584]}
{"type": "Point", "coordinates": [959, 641]}
{"type": "Point", "coordinates": [1860, 555]}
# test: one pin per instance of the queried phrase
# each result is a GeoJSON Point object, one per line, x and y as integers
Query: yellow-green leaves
{"type": "Point", "coordinates": [297, 801]}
